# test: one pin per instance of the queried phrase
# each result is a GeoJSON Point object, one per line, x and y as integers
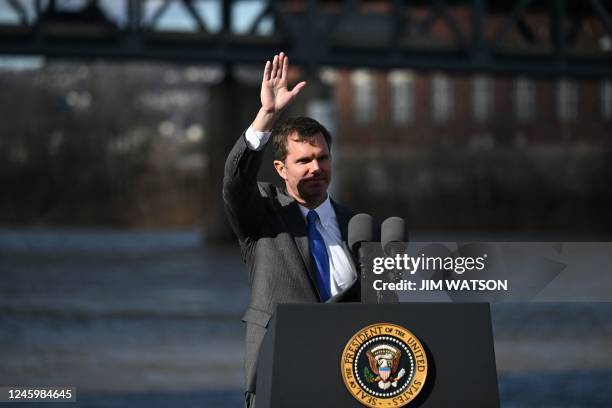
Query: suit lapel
{"type": "Point", "coordinates": [343, 216]}
{"type": "Point", "coordinates": [297, 226]}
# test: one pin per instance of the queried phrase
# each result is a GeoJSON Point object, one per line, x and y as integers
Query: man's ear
{"type": "Point", "coordinates": [280, 169]}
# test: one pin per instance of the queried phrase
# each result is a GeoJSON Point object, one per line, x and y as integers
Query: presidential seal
{"type": "Point", "coordinates": [384, 365]}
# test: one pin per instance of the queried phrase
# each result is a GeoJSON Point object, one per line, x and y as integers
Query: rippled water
{"type": "Point", "coordinates": [152, 319]}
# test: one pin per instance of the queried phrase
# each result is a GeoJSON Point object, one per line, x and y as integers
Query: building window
{"type": "Point", "coordinates": [524, 99]}
{"type": "Point", "coordinates": [401, 87]}
{"type": "Point", "coordinates": [567, 100]}
{"type": "Point", "coordinates": [364, 96]}
{"type": "Point", "coordinates": [482, 98]}
{"type": "Point", "coordinates": [605, 93]}
{"type": "Point", "coordinates": [442, 98]}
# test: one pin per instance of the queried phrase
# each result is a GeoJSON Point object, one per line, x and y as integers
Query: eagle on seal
{"type": "Point", "coordinates": [384, 362]}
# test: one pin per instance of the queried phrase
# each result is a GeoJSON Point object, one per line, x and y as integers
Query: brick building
{"type": "Point", "coordinates": [471, 151]}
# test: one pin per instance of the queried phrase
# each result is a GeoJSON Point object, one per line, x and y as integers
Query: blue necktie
{"type": "Point", "coordinates": [319, 254]}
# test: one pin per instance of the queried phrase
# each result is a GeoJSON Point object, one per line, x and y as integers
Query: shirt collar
{"type": "Point", "coordinates": [325, 211]}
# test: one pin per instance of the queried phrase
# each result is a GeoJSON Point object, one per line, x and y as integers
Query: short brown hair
{"type": "Point", "coordinates": [305, 128]}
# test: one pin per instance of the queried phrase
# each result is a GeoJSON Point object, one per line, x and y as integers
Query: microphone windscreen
{"type": "Point", "coordinates": [360, 229]}
{"type": "Point", "coordinates": [393, 230]}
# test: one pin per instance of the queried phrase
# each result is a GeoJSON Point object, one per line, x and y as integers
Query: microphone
{"type": "Point", "coordinates": [393, 241]}
{"type": "Point", "coordinates": [393, 236]}
{"type": "Point", "coordinates": [361, 229]}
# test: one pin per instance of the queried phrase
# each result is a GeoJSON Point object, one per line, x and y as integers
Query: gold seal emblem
{"type": "Point", "coordinates": [384, 365]}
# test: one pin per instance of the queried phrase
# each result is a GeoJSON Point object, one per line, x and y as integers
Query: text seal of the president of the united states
{"type": "Point", "coordinates": [384, 365]}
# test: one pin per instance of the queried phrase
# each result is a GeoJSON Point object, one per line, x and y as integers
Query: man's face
{"type": "Point", "coordinates": [306, 169]}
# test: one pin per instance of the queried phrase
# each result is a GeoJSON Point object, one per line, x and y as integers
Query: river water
{"type": "Point", "coordinates": [152, 319]}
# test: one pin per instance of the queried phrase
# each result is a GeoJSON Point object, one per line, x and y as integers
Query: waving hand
{"type": "Point", "coordinates": [275, 94]}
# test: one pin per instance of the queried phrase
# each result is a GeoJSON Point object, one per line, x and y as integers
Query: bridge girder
{"type": "Point", "coordinates": [536, 37]}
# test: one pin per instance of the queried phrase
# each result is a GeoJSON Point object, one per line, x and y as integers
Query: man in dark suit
{"type": "Point", "coordinates": [293, 240]}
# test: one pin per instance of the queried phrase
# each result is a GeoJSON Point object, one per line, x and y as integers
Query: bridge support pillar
{"type": "Point", "coordinates": [232, 107]}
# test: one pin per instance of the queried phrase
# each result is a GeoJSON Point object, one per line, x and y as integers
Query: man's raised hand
{"type": "Point", "coordinates": [275, 95]}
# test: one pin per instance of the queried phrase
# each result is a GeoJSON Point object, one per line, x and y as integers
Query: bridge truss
{"type": "Point", "coordinates": [536, 37]}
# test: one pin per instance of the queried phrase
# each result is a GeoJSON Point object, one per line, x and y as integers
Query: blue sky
{"type": "Point", "coordinates": [175, 17]}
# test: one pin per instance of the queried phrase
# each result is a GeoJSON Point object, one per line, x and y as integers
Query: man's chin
{"type": "Point", "coordinates": [315, 192]}
{"type": "Point", "coordinates": [319, 185]}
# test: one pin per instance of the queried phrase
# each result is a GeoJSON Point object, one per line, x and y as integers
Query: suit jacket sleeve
{"type": "Point", "coordinates": [241, 195]}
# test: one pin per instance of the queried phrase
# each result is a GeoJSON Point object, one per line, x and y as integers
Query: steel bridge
{"type": "Point", "coordinates": [536, 37]}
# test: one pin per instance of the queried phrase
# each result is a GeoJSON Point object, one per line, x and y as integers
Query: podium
{"type": "Point", "coordinates": [301, 357]}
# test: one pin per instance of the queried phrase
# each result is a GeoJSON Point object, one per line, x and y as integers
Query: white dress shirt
{"type": "Point", "coordinates": [256, 140]}
{"type": "Point", "coordinates": [342, 273]}
{"type": "Point", "coordinates": [340, 269]}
